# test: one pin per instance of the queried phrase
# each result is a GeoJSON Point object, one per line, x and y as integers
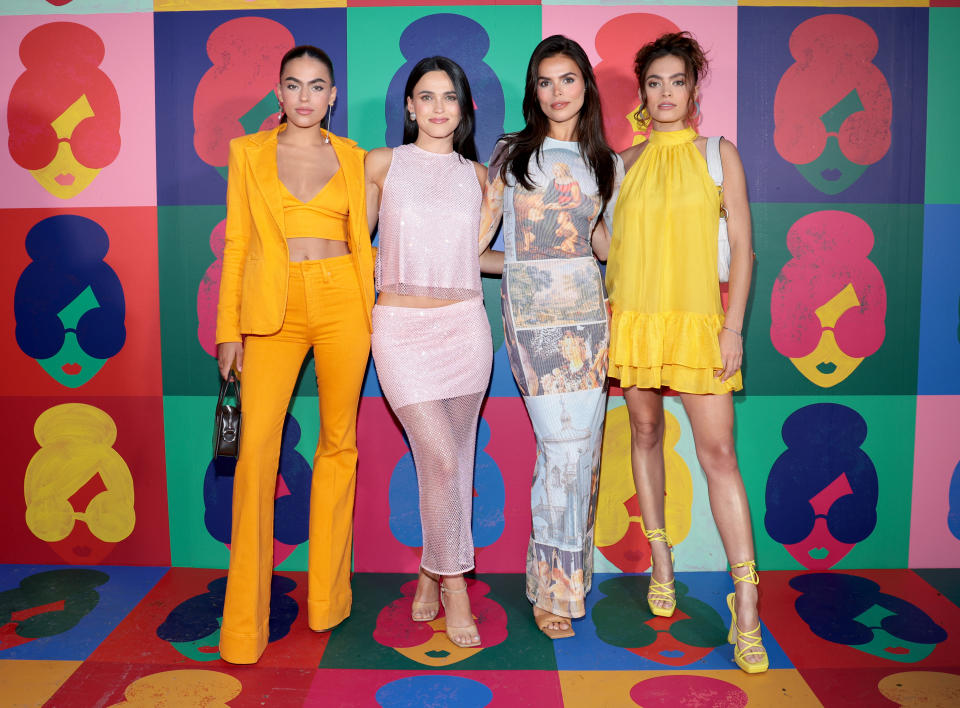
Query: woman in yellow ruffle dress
{"type": "Point", "coordinates": [669, 329]}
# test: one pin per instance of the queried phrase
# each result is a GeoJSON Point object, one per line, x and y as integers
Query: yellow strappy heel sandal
{"type": "Point", "coordinates": [751, 638]}
{"type": "Point", "coordinates": [658, 591]}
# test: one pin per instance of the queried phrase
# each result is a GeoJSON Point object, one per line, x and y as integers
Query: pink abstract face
{"type": "Point", "coordinates": [617, 42]}
{"type": "Point", "coordinates": [829, 301]}
{"type": "Point", "coordinates": [833, 106]}
{"type": "Point", "coordinates": [63, 137]}
{"type": "Point", "coordinates": [236, 95]}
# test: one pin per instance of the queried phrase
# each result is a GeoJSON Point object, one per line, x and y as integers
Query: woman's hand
{"type": "Point", "coordinates": [731, 353]}
{"type": "Point", "coordinates": [229, 356]}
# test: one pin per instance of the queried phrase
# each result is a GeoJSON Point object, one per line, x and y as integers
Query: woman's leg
{"type": "Point", "coordinates": [341, 348]}
{"type": "Point", "coordinates": [645, 409]}
{"type": "Point", "coordinates": [442, 437]}
{"type": "Point", "coordinates": [270, 369]}
{"type": "Point", "coordinates": [711, 417]}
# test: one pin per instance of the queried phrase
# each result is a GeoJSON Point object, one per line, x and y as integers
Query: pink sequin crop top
{"type": "Point", "coordinates": [429, 226]}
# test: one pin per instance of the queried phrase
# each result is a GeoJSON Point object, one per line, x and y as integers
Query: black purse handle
{"type": "Point", "coordinates": [224, 385]}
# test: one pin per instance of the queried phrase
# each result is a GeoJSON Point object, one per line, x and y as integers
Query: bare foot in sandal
{"type": "Point", "coordinates": [554, 626]}
{"type": "Point", "coordinates": [461, 628]}
{"type": "Point", "coordinates": [426, 600]}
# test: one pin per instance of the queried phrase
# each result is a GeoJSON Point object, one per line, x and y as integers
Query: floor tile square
{"type": "Point", "coordinates": [172, 686]}
{"type": "Point", "coordinates": [178, 623]}
{"type": "Point", "coordinates": [709, 689]}
{"type": "Point", "coordinates": [860, 619]}
{"type": "Point", "coordinates": [885, 688]}
{"type": "Point", "coordinates": [620, 632]}
{"type": "Point", "coordinates": [415, 689]}
{"type": "Point", "coordinates": [380, 633]}
{"type": "Point", "coordinates": [25, 683]}
{"type": "Point", "coordinates": [64, 612]}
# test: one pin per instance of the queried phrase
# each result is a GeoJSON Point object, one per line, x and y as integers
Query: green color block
{"type": "Point", "coordinates": [185, 254]}
{"type": "Point", "coordinates": [188, 421]}
{"type": "Point", "coordinates": [943, 105]}
{"type": "Point", "coordinates": [889, 444]}
{"type": "Point", "coordinates": [374, 57]}
{"type": "Point", "coordinates": [897, 250]}
{"type": "Point", "coordinates": [353, 644]}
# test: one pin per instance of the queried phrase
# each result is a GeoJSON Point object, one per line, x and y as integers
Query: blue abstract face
{"type": "Point", "coordinates": [69, 303]}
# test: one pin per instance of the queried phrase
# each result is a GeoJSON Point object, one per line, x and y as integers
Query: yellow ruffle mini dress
{"type": "Point", "coordinates": [662, 272]}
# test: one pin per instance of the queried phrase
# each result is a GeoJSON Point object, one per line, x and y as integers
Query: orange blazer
{"type": "Point", "coordinates": [253, 282]}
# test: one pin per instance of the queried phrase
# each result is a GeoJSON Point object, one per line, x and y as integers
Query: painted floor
{"type": "Point", "coordinates": [126, 636]}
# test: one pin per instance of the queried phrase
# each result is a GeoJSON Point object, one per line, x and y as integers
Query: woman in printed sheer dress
{"type": "Point", "coordinates": [553, 184]}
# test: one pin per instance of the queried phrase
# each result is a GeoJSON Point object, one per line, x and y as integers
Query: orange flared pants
{"type": "Point", "coordinates": [324, 311]}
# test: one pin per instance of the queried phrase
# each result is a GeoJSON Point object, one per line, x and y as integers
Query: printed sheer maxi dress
{"type": "Point", "coordinates": [555, 322]}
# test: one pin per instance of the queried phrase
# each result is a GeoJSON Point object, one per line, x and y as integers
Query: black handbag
{"type": "Point", "coordinates": [226, 425]}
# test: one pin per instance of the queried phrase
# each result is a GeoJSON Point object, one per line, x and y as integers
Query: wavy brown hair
{"type": "Point", "coordinates": [521, 146]}
{"type": "Point", "coordinates": [672, 44]}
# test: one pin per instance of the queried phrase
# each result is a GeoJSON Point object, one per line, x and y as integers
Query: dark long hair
{"type": "Point", "coordinates": [308, 50]}
{"type": "Point", "coordinates": [521, 146]}
{"type": "Point", "coordinates": [463, 141]}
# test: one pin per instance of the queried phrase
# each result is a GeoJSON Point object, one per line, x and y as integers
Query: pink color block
{"type": "Point", "coordinates": [936, 455]}
{"type": "Point", "coordinates": [714, 27]}
{"type": "Point", "coordinates": [130, 179]}
{"type": "Point", "coordinates": [381, 446]}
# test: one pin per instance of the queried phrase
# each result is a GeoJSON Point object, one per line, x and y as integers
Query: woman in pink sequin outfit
{"type": "Point", "coordinates": [431, 338]}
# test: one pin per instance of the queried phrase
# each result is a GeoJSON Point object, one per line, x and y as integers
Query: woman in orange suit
{"type": "Point", "coordinates": [297, 273]}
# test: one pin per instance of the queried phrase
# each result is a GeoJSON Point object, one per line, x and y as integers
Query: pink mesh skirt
{"type": "Point", "coordinates": [427, 354]}
{"type": "Point", "coordinates": [434, 366]}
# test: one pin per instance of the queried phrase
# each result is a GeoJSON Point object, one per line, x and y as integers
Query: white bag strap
{"type": "Point", "coordinates": [714, 165]}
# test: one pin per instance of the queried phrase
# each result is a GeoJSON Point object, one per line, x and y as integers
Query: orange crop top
{"type": "Point", "coordinates": [324, 216]}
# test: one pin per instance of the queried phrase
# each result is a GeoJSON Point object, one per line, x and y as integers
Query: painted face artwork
{"type": "Point", "coordinates": [833, 106]}
{"type": "Point", "coordinates": [489, 499]}
{"type": "Point", "coordinates": [193, 626]}
{"type": "Point", "coordinates": [828, 305]}
{"type": "Point", "coordinates": [623, 619]}
{"type": "Point", "coordinates": [466, 42]}
{"type": "Point", "coordinates": [184, 687]}
{"type": "Point", "coordinates": [76, 475]}
{"type": "Point", "coordinates": [821, 496]}
{"type": "Point", "coordinates": [420, 690]}
{"type": "Point", "coordinates": [670, 691]}
{"type": "Point", "coordinates": [921, 688]}
{"type": "Point", "coordinates": [63, 137]}
{"type": "Point", "coordinates": [69, 303]}
{"type": "Point", "coordinates": [425, 642]}
{"type": "Point", "coordinates": [246, 54]}
{"type": "Point", "coordinates": [47, 604]}
{"type": "Point", "coordinates": [291, 507]}
{"type": "Point", "coordinates": [619, 530]}
{"type": "Point", "coordinates": [617, 42]}
{"type": "Point", "coordinates": [851, 610]}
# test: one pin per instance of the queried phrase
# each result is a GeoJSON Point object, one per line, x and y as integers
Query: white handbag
{"type": "Point", "coordinates": [715, 168]}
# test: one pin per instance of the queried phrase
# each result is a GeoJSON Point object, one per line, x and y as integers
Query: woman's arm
{"type": "Point", "coordinates": [239, 228]}
{"type": "Point", "coordinates": [491, 262]}
{"type": "Point", "coordinates": [739, 231]}
{"type": "Point", "coordinates": [376, 164]}
{"type": "Point", "coordinates": [603, 234]}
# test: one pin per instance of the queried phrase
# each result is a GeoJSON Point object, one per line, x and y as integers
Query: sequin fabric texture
{"type": "Point", "coordinates": [434, 363]}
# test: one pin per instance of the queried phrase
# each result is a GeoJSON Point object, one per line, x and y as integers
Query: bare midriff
{"type": "Point", "coordinates": [315, 249]}
{"type": "Point", "coordinates": [394, 300]}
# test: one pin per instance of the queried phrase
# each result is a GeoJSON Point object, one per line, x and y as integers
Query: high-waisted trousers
{"type": "Point", "coordinates": [324, 311]}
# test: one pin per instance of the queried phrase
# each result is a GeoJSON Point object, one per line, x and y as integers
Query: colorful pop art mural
{"type": "Point", "coordinates": [117, 116]}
